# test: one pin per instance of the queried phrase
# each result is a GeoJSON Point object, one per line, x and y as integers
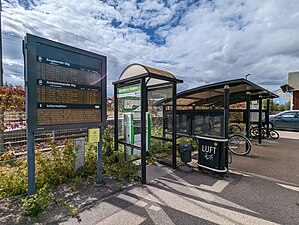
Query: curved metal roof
{"type": "Point", "coordinates": [212, 94]}
{"type": "Point", "coordinates": [138, 69]}
{"type": "Point", "coordinates": [153, 76]}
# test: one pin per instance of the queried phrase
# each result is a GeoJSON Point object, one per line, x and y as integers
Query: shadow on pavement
{"type": "Point", "coordinates": [195, 198]}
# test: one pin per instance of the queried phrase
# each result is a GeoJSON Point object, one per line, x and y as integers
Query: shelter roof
{"type": "Point", "coordinates": [153, 76]}
{"type": "Point", "coordinates": [213, 94]}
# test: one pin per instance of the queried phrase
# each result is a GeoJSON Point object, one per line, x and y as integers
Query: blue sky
{"type": "Point", "coordinates": [198, 41]}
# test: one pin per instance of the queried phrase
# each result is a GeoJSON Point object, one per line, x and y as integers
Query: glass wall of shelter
{"type": "Point", "coordinates": [200, 110]}
{"type": "Point", "coordinates": [138, 122]}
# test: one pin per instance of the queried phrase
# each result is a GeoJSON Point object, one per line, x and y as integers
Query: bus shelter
{"type": "Point", "coordinates": [208, 110]}
{"type": "Point", "coordinates": [136, 89]}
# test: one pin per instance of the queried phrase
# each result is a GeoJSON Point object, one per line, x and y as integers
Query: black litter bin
{"type": "Point", "coordinates": [211, 154]}
{"type": "Point", "coordinates": [185, 150]}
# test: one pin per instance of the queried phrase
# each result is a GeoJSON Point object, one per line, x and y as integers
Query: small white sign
{"type": "Point", "coordinates": [79, 145]}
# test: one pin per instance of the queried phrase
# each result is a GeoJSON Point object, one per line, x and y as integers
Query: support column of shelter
{"type": "Point", "coordinates": [174, 153]}
{"type": "Point", "coordinates": [226, 120]}
{"type": "Point", "coordinates": [163, 121]}
{"type": "Point", "coordinates": [267, 117]}
{"type": "Point", "coordinates": [143, 129]}
{"type": "Point", "coordinates": [248, 114]}
{"type": "Point", "coordinates": [115, 119]}
{"type": "Point", "coordinates": [260, 122]}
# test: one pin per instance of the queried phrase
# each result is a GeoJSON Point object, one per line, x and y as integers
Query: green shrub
{"type": "Point", "coordinates": [90, 162]}
{"type": "Point", "coordinates": [57, 166]}
{"type": "Point", "coordinates": [108, 144]}
{"type": "Point", "coordinates": [121, 170]}
{"type": "Point", "coordinates": [157, 130]}
{"type": "Point", "coordinates": [36, 203]}
{"type": "Point", "coordinates": [13, 179]}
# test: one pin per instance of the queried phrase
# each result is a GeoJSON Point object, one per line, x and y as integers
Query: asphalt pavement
{"type": "Point", "coordinates": [262, 188]}
{"type": "Point", "coordinates": [274, 159]}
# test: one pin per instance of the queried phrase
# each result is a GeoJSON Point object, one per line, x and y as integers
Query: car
{"type": "Point", "coordinates": [287, 120]}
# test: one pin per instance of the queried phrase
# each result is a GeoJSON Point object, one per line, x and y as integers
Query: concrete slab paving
{"type": "Point", "coordinates": [180, 198]}
{"type": "Point", "coordinates": [260, 189]}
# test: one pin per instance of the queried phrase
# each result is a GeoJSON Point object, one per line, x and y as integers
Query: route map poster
{"type": "Point", "coordinates": [129, 97]}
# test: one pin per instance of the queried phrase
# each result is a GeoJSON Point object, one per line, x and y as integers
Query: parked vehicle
{"type": "Point", "coordinates": [287, 120]}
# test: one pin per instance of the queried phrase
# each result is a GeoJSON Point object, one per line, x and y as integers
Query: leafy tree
{"type": "Point", "coordinates": [12, 98]}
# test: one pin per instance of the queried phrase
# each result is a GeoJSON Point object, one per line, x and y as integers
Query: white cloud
{"type": "Point", "coordinates": [206, 41]}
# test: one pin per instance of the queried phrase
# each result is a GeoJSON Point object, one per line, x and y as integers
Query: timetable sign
{"type": "Point", "coordinates": [66, 86]}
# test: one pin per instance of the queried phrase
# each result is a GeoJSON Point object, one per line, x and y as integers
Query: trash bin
{"type": "Point", "coordinates": [211, 154]}
{"type": "Point", "coordinates": [185, 150]}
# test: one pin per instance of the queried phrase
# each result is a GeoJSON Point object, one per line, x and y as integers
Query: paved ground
{"type": "Point", "coordinates": [277, 159]}
{"type": "Point", "coordinates": [266, 191]}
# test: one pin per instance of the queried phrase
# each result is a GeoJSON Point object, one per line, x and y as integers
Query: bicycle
{"type": "Point", "coordinates": [254, 133]}
{"type": "Point", "coordinates": [238, 143]}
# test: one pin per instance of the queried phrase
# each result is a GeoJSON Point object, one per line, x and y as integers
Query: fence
{"type": "Point", "coordinates": [13, 136]}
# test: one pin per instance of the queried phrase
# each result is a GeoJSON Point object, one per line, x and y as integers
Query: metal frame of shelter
{"type": "Point", "coordinates": [224, 94]}
{"type": "Point", "coordinates": [150, 79]}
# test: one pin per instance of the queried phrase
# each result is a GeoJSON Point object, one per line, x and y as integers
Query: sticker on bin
{"type": "Point", "coordinates": [209, 151]}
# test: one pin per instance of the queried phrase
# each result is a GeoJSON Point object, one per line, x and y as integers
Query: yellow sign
{"type": "Point", "coordinates": [93, 135]}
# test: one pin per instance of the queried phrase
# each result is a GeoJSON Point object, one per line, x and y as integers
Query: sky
{"type": "Point", "coordinates": [198, 41]}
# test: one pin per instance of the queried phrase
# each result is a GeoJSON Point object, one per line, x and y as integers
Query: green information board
{"type": "Point", "coordinates": [129, 97]}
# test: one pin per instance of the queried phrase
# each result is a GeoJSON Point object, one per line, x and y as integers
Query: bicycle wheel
{"type": "Point", "coordinates": [239, 144]}
{"type": "Point", "coordinates": [254, 132]}
{"type": "Point", "coordinates": [274, 134]}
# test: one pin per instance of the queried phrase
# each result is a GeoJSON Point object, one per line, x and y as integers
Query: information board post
{"type": "Point", "coordinates": [95, 136]}
{"type": "Point", "coordinates": [31, 162]}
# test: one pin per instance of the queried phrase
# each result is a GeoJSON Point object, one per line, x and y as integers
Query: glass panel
{"type": "Point", "coordinates": [161, 126]}
{"type": "Point", "coordinates": [183, 124]}
{"type": "Point", "coordinates": [208, 124]}
{"type": "Point", "coordinates": [254, 116]}
{"type": "Point", "coordinates": [129, 119]}
{"type": "Point", "coordinates": [168, 119]}
{"type": "Point", "coordinates": [236, 116]}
